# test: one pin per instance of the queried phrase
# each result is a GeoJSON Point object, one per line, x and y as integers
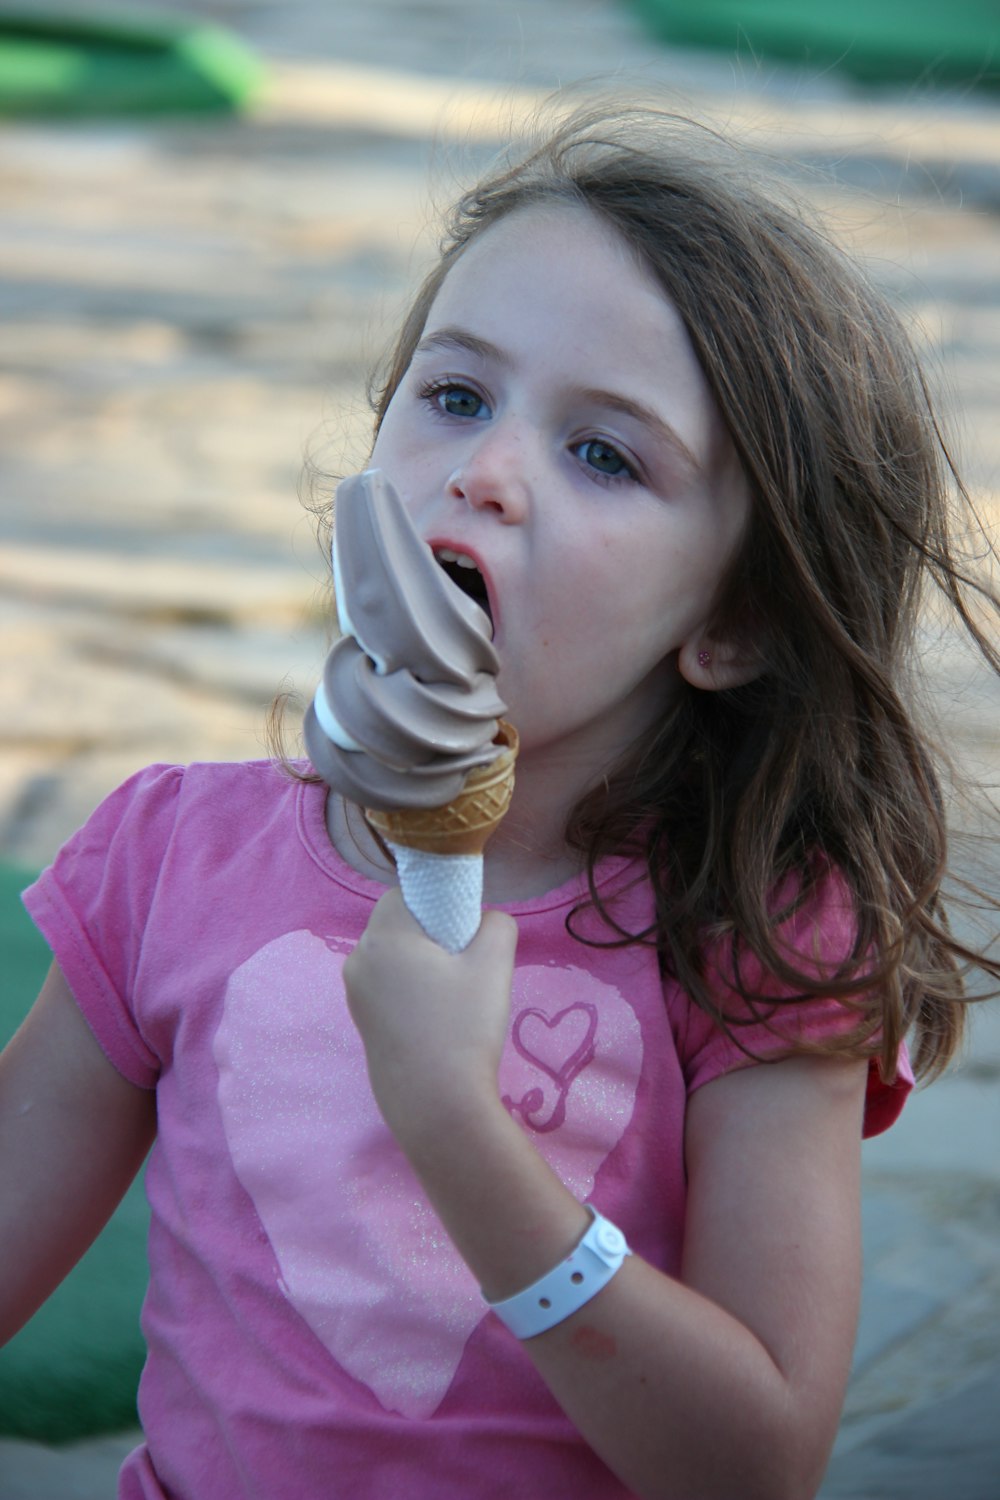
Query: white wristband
{"type": "Point", "coordinates": [574, 1281]}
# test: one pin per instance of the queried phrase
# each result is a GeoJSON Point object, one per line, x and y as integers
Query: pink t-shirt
{"type": "Point", "coordinates": [311, 1330]}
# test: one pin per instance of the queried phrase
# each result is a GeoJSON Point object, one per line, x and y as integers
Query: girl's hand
{"type": "Point", "coordinates": [433, 1023]}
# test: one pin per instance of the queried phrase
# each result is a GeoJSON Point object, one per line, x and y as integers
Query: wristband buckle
{"type": "Point", "coordinates": [570, 1286]}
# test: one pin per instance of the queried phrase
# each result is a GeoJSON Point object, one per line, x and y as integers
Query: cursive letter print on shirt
{"type": "Point", "coordinates": [547, 1044]}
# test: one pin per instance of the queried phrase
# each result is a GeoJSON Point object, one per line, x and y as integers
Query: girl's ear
{"type": "Point", "coordinates": [712, 665]}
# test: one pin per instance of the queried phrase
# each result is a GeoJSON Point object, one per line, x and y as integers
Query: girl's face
{"type": "Point", "coordinates": [555, 428]}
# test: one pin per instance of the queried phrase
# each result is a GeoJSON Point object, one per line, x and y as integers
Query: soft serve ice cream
{"type": "Point", "coordinates": [408, 704]}
{"type": "Point", "coordinates": [406, 721]}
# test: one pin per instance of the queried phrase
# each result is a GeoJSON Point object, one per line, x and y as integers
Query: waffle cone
{"type": "Point", "coordinates": [464, 825]}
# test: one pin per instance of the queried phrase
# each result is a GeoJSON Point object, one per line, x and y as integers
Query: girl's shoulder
{"type": "Point", "coordinates": [166, 782]}
{"type": "Point", "coordinates": [759, 1016]}
{"type": "Point", "coordinates": [168, 818]}
{"type": "Point", "coordinates": [162, 794]}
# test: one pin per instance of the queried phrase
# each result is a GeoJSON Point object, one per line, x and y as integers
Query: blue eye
{"type": "Point", "coordinates": [455, 400]}
{"type": "Point", "coordinates": [605, 460]}
{"type": "Point", "coordinates": [461, 403]}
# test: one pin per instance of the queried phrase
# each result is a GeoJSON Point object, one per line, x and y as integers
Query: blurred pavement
{"type": "Point", "coordinates": [191, 308]}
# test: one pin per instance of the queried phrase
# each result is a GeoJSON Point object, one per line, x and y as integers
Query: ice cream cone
{"type": "Point", "coordinates": [464, 825]}
{"type": "Point", "coordinates": [439, 851]}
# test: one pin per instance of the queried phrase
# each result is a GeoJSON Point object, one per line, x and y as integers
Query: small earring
{"type": "Point", "coordinates": [704, 658]}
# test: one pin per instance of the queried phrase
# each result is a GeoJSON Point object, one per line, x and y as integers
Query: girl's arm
{"type": "Point", "coordinates": [728, 1382]}
{"type": "Point", "coordinates": [73, 1134]}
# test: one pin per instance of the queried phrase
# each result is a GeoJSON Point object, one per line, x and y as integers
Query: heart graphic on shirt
{"type": "Point", "coordinates": [363, 1257]}
{"type": "Point", "coordinates": [548, 1042]}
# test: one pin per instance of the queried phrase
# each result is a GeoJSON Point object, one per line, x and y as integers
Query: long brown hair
{"type": "Point", "coordinates": [817, 382]}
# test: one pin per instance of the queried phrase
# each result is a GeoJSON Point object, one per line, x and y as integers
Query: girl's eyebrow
{"type": "Point", "coordinates": [460, 338]}
{"type": "Point", "coordinates": [661, 430]}
{"type": "Point", "coordinates": [452, 337]}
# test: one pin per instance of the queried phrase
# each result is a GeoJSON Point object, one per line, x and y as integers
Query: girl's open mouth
{"type": "Point", "coordinates": [462, 571]}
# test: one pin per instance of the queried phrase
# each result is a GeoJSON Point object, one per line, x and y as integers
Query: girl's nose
{"type": "Point", "coordinates": [492, 477]}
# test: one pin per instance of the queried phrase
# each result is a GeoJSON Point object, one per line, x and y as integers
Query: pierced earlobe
{"type": "Point", "coordinates": [719, 667]}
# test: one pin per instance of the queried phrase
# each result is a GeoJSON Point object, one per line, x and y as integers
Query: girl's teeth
{"type": "Point", "coordinates": [461, 559]}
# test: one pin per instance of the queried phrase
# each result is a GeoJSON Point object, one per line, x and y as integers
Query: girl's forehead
{"type": "Point", "coordinates": [559, 272]}
{"type": "Point", "coordinates": [537, 236]}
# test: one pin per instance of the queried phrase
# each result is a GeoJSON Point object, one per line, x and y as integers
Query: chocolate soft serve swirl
{"type": "Point", "coordinates": [408, 702]}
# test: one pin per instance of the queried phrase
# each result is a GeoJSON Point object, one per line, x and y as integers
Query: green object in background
{"type": "Point", "coordinates": [72, 1371]}
{"type": "Point", "coordinates": [55, 64]}
{"type": "Point", "coordinates": [877, 41]}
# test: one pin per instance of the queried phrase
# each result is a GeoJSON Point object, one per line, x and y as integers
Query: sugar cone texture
{"type": "Point", "coordinates": [464, 825]}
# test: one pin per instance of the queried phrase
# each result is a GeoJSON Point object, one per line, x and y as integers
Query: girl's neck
{"type": "Point", "coordinates": [526, 857]}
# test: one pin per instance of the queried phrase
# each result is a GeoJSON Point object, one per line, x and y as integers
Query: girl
{"type": "Point", "coordinates": [689, 454]}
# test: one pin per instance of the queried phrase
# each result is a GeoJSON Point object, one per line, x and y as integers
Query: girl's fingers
{"type": "Point", "coordinates": [496, 939]}
{"type": "Point", "coordinates": [433, 1023]}
{"type": "Point", "coordinates": [391, 922]}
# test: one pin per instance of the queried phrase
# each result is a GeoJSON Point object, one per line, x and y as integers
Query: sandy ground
{"type": "Point", "coordinates": [190, 310]}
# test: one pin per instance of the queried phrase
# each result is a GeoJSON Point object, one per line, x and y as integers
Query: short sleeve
{"type": "Point", "coordinates": [818, 936]}
{"type": "Point", "coordinates": [92, 906]}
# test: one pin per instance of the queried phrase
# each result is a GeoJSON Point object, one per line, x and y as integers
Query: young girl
{"type": "Point", "coordinates": [688, 452]}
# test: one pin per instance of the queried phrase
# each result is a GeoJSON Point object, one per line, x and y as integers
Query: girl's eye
{"type": "Point", "coordinates": [455, 400]}
{"type": "Point", "coordinates": [605, 460]}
